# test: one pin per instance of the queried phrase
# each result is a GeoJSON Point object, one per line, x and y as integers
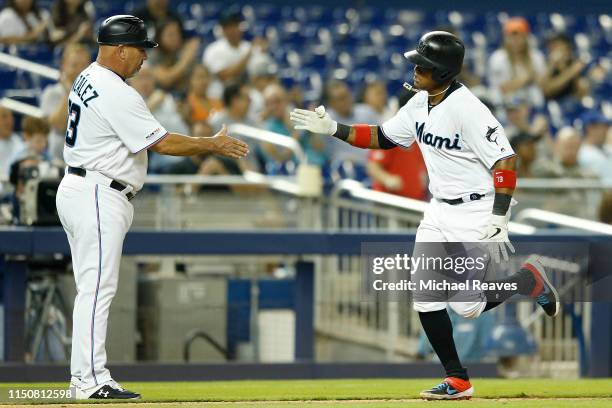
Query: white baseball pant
{"type": "Point", "coordinates": [96, 219]}
{"type": "Point", "coordinates": [464, 222]}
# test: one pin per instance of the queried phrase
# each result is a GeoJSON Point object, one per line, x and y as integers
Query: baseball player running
{"type": "Point", "coordinates": [109, 131]}
{"type": "Point", "coordinates": [471, 168]}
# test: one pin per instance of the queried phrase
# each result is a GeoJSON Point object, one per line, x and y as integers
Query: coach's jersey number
{"type": "Point", "coordinates": [74, 115]}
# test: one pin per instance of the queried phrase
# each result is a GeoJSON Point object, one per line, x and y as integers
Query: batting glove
{"type": "Point", "coordinates": [496, 238]}
{"type": "Point", "coordinates": [317, 121]}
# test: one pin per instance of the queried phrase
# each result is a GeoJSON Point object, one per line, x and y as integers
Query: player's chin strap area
{"type": "Point", "coordinates": [100, 178]}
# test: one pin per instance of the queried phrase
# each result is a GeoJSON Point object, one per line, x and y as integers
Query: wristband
{"type": "Point", "coordinates": [501, 203]}
{"type": "Point", "coordinates": [342, 132]}
{"type": "Point", "coordinates": [362, 136]}
{"type": "Point", "coordinates": [504, 179]}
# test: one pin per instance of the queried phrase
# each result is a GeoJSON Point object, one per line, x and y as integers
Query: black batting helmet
{"type": "Point", "coordinates": [441, 52]}
{"type": "Point", "coordinates": [126, 30]}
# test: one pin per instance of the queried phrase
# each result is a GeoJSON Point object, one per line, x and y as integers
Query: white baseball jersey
{"type": "Point", "coordinates": [109, 127]}
{"type": "Point", "coordinates": [460, 140]}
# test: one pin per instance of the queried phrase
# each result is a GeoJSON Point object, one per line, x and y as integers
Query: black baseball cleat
{"type": "Point", "coordinates": [452, 388]}
{"type": "Point", "coordinates": [114, 391]}
{"type": "Point", "coordinates": [544, 292]}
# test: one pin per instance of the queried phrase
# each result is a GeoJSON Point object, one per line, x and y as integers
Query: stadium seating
{"type": "Point", "coordinates": [313, 43]}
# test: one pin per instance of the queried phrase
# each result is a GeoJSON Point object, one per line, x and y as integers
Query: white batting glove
{"type": "Point", "coordinates": [317, 121]}
{"type": "Point", "coordinates": [496, 238]}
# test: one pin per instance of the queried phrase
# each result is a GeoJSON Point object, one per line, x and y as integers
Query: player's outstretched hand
{"type": "Point", "coordinates": [226, 145]}
{"type": "Point", "coordinates": [496, 238]}
{"type": "Point", "coordinates": [317, 121]}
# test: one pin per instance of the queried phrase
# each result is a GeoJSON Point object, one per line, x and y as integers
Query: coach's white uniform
{"type": "Point", "coordinates": [109, 129]}
{"type": "Point", "coordinates": [460, 140]}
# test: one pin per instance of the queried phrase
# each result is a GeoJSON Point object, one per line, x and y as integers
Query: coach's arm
{"type": "Point", "coordinates": [361, 135]}
{"type": "Point", "coordinates": [175, 144]}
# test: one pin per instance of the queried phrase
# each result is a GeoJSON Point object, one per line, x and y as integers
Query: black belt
{"type": "Point", "coordinates": [455, 201]}
{"type": "Point", "coordinates": [77, 171]}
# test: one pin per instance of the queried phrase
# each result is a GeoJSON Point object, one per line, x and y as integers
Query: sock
{"type": "Point", "coordinates": [523, 281]}
{"type": "Point", "coordinates": [439, 331]}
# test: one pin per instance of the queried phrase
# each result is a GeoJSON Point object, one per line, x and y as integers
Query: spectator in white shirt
{"type": "Point", "coordinates": [228, 57]}
{"type": "Point", "coordinates": [54, 99]}
{"type": "Point", "coordinates": [592, 156]}
{"type": "Point", "coordinates": [10, 143]}
{"type": "Point", "coordinates": [517, 67]}
{"type": "Point", "coordinates": [21, 21]}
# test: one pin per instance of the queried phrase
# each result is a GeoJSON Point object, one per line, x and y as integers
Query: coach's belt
{"type": "Point", "coordinates": [464, 199]}
{"type": "Point", "coordinates": [114, 184]}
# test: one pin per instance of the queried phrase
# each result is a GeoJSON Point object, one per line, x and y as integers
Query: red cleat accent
{"type": "Point", "coordinates": [458, 383]}
{"type": "Point", "coordinates": [539, 285]}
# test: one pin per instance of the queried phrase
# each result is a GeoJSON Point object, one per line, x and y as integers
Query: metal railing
{"type": "Point", "coordinates": [563, 220]}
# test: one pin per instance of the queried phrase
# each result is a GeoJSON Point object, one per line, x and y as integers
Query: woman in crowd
{"type": "Point", "coordinates": [22, 22]}
{"type": "Point", "coordinates": [73, 22]}
{"type": "Point", "coordinates": [173, 60]}
{"type": "Point", "coordinates": [200, 105]}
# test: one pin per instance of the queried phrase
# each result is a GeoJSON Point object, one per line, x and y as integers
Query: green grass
{"type": "Point", "coordinates": [599, 390]}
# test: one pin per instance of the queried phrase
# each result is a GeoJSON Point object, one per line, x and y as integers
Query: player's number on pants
{"type": "Point", "coordinates": [74, 115]}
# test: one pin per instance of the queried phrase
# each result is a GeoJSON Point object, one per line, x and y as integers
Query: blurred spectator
{"type": "Point", "coordinates": [21, 21]}
{"type": "Point", "coordinates": [564, 72]}
{"type": "Point", "coordinates": [10, 143]}
{"type": "Point", "coordinates": [54, 99]}
{"type": "Point", "coordinates": [160, 103]}
{"type": "Point", "coordinates": [236, 101]}
{"type": "Point", "coordinates": [567, 145]}
{"type": "Point", "coordinates": [199, 104]}
{"type": "Point", "coordinates": [173, 60]}
{"type": "Point", "coordinates": [262, 72]}
{"type": "Point", "coordinates": [374, 97]}
{"type": "Point", "coordinates": [517, 67]}
{"type": "Point", "coordinates": [529, 165]}
{"type": "Point", "coordinates": [341, 108]}
{"type": "Point", "coordinates": [399, 171]}
{"type": "Point", "coordinates": [228, 57]}
{"type": "Point", "coordinates": [73, 22]}
{"type": "Point", "coordinates": [592, 156]}
{"type": "Point", "coordinates": [521, 118]}
{"type": "Point", "coordinates": [277, 114]}
{"type": "Point", "coordinates": [156, 13]}
{"type": "Point", "coordinates": [165, 110]}
{"type": "Point", "coordinates": [35, 135]}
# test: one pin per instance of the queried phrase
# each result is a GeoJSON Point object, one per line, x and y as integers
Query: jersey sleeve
{"type": "Point", "coordinates": [400, 129]}
{"type": "Point", "coordinates": [132, 121]}
{"type": "Point", "coordinates": [485, 135]}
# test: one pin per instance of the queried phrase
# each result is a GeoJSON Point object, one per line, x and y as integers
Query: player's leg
{"type": "Point", "coordinates": [71, 194]}
{"type": "Point", "coordinates": [113, 219]}
{"type": "Point", "coordinates": [96, 219]}
{"type": "Point", "coordinates": [435, 320]}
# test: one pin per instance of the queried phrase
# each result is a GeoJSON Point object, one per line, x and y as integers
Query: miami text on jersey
{"type": "Point", "coordinates": [84, 90]}
{"type": "Point", "coordinates": [436, 141]}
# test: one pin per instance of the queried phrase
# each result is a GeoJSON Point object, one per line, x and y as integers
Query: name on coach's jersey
{"type": "Point", "coordinates": [84, 90]}
{"type": "Point", "coordinates": [436, 141]}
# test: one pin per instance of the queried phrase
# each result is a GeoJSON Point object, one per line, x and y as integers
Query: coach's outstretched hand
{"type": "Point", "coordinates": [317, 121]}
{"type": "Point", "coordinates": [228, 146]}
{"type": "Point", "coordinates": [496, 238]}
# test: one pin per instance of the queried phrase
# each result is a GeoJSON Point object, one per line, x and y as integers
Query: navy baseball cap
{"type": "Point", "coordinates": [592, 117]}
